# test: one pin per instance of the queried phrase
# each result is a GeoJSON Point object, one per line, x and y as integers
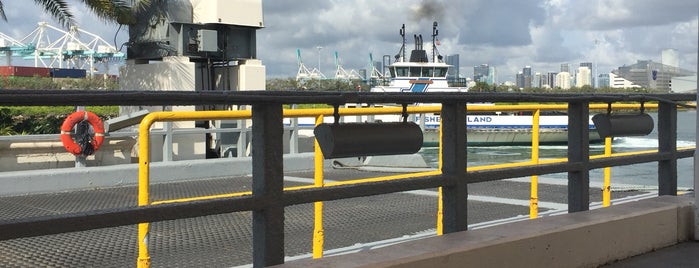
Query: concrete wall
{"type": "Point", "coordinates": [47, 154]}
{"type": "Point", "coordinates": [584, 239]}
{"type": "Point", "coordinates": [41, 154]}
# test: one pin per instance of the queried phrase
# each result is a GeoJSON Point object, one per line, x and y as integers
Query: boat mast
{"type": "Point", "coordinates": [401, 56]}
{"type": "Point", "coordinates": [435, 32]}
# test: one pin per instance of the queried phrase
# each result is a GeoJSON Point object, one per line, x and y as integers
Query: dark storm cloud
{"type": "Point", "coordinates": [501, 23]}
{"type": "Point", "coordinates": [429, 10]}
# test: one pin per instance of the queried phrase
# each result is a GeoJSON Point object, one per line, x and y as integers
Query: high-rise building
{"type": "Point", "coordinates": [603, 80]}
{"type": "Point", "coordinates": [480, 72]}
{"type": "Point", "coordinates": [484, 73]}
{"type": "Point", "coordinates": [527, 77]}
{"type": "Point", "coordinates": [582, 77]}
{"type": "Point", "coordinates": [551, 79]}
{"type": "Point", "coordinates": [591, 76]}
{"type": "Point", "coordinates": [536, 80]}
{"type": "Point", "coordinates": [520, 80]}
{"type": "Point", "coordinates": [565, 67]}
{"type": "Point", "coordinates": [453, 60]}
{"type": "Point", "coordinates": [563, 80]}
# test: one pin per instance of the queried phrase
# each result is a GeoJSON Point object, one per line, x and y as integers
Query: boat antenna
{"type": "Point", "coordinates": [435, 33]}
{"type": "Point", "coordinates": [401, 56]}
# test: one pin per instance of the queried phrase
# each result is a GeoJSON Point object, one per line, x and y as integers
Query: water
{"type": "Point", "coordinates": [638, 174]}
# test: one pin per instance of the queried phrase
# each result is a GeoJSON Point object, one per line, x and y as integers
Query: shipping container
{"type": "Point", "coordinates": [24, 71]}
{"type": "Point", "coordinates": [68, 73]}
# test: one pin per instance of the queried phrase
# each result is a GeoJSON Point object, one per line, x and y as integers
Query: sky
{"type": "Point", "coordinates": [506, 34]}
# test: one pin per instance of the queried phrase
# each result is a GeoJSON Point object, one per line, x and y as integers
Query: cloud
{"type": "Point", "coordinates": [503, 33]}
{"type": "Point", "coordinates": [501, 22]}
{"type": "Point", "coordinates": [614, 14]}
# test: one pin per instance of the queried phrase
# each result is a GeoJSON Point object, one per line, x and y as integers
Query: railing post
{"type": "Point", "coordinates": [455, 193]}
{"type": "Point", "coordinates": [80, 160]}
{"type": "Point", "coordinates": [167, 142]}
{"type": "Point", "coordinates": [294, 133]}
{"type": "Point", "coordinates": [267, 184]}
{"type": "Point", "coordinates": [242, 138]}
{"type": "Point", "coordinates": [578, 152]}
{"type": "Point", "coordinates": [667, 143]}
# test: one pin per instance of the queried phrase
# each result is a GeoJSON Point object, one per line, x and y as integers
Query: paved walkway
{"type": "Point", "coordinates": [678, 256]}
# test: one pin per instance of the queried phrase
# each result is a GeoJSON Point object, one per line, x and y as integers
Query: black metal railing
{"type": "Point", "coordinates": [268, 199]}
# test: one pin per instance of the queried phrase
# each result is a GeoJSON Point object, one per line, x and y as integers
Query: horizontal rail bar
{"type": "Point", "coordinates": [95, 219]}
{"type": "Point", "coordinates": [56, 224]}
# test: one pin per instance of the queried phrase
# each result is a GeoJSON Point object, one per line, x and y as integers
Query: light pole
{"type": "Point", "coordinates": [319, 73]}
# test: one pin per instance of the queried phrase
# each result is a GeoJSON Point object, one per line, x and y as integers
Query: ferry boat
{"type": "Point", "coordinates": [419, 74]}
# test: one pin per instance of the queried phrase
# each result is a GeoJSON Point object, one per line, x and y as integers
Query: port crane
{"type": "Point", "coordinates": [303, 72]}
{"type": "Point", "coordinates": [75, 48]}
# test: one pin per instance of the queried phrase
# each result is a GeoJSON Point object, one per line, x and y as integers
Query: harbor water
{"type": "Point", "coordinates": [645, 174]}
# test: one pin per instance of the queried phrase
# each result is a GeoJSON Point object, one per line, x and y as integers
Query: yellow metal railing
{"type": "Point", "coordinates": [319, 114]}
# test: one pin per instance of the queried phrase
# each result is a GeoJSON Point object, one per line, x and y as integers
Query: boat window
{"type": "Point", "coordinates": [415, 71]}
{"type": "Point", "coordinates": [401, 72]}
{"type": "Point", "coordinates": [440, 72]}
{"type": "Point", "coordinates": [428, 72]}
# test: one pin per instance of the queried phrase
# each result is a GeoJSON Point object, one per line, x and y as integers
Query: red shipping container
{"type": "Point", "coordinates": [24, 71]}
{"type": "Point", "coordinates": [6, 70]}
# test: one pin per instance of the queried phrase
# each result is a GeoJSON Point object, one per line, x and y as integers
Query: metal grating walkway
{"type": "Point", "coordinates": [226, 240]}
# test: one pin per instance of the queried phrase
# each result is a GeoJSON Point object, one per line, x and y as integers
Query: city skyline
{"type": "Point", "coordinates": [594, 72]}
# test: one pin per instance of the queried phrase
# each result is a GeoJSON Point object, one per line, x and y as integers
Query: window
{"type": "Point", "coordinates": [401, 72]}
{"type": "Point", "coordinates": [415, 71]}
{"type": "Point", "coordinates": [428, 72]}
{"type": "Point", "coordinates": [440, 72]}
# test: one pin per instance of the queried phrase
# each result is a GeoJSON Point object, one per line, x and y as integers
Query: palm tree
{"type": "Point", "coordinates": [111, 11]}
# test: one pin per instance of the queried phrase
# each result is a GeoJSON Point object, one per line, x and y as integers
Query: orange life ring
{"type": "Point", "coordinates": [72, 120]}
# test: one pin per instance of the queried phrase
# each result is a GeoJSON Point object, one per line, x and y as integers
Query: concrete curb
{"type": "Point", "coordinates": [583, 239]}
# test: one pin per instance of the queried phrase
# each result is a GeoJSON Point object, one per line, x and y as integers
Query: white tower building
{"type": "Point", "coordinates": [563, 80]}
{"type": "Point", "coordinates": [582, 77]}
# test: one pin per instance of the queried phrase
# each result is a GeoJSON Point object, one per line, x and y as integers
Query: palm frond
{"type": "Point", "coordinates": [2, 12]}
{"type": "Point", "coordinates": [59, 10]}
{"type": "Point", "coordinates": [107, 10]}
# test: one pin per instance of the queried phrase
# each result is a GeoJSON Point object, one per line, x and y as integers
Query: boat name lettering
{"type": "Point", "coordinates": [432, 119]}
{"type": "Point", "coordinates": [473, 119]}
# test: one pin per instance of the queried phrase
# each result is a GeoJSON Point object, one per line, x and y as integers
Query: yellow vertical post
{"type": "Point", "coordinates": [606, 188]}
{"type": "Point", "coordinates": [318, 232]}
{"type": "Point", "coordinates": [534, 198]}
{"type": "Point", "coordinates": [143, 188]}
{"type": "Point", "coordinates": [440, 204]}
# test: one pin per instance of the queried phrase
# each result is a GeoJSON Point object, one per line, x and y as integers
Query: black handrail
{"type": "Point", "coordinates": [268, 200]}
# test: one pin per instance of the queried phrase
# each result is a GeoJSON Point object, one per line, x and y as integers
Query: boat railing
{"type": "Point", "coordinates": [268, 197]}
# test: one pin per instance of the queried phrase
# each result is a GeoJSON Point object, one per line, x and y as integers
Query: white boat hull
{"type": "Point", "coordinates": [482, 130]}
{"type": "Point", "coordinates": [476, 137]}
